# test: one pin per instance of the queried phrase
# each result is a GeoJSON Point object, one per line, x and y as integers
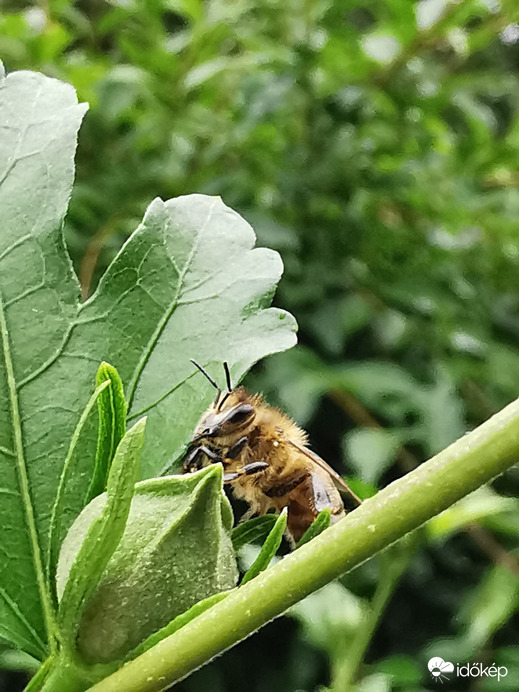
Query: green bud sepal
{"type": "Point", "coordinates": [176, 550]}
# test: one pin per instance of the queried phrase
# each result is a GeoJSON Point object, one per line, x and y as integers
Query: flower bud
{"type": "Point", "coordinates": [176, 550]}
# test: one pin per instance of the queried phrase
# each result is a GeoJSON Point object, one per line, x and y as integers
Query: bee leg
{"type": "Point", "coordinates": [248, 515]}
{"type": "Point", "coordinates": [229, 477]}
{"type": "Point", "coordinates": [291, 540]}
{"type": "Point", "coordinates": [254, 467]}
{"type": "Point", "coordinates": [236, 448]}
{"type": "Point", "coordinates": [247, 470]}
{"type": "Point", "coordinates": [192, 461]}
{"type": "Point", "coordinates": [213, 456]}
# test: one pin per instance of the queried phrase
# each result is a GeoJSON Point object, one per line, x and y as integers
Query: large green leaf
{"type": "Point", "coordinates": [39, 405]}
{"type": "Point", "coordinates": [187, 284]}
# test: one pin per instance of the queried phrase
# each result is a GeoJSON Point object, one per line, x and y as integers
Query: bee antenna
{"type": "Point", "coordinates": [229, 387]}
{"type": "Point", "coordinates": [227, 377]}
{"type": "Point", "coordinates": [204, 372]}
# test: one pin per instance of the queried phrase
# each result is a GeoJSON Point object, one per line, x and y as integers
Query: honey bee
{"type": "Point", "coordinates": [265, 458]}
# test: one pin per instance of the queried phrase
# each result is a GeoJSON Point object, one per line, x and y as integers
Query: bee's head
{"type": "Point", "coordinates": [231, 412]}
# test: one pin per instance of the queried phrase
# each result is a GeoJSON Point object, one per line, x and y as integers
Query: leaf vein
{"type": "Point", "coordinates": [46, 365]}
{"type": "Point", "coordinates": [13, 606]}
{"type": "Point", "coordinates": [140, 413]}
{"type": "Point", "coordinates": [15, 245]}
{"type": "Point", "coordinates": [23, 480]}
{"type": "Point", "coordinates": [24, 294]}
{"type": "Point", "coordinates": [167, 314]}
{"type": "Point", "coordinates": [9, 491]}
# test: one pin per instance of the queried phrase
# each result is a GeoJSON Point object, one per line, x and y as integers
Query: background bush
{"type": "Point", "coordinates": [375, 146]}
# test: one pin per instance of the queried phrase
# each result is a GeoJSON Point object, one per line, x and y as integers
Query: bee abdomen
{"type": "Point", "coordinates": [284, 488]}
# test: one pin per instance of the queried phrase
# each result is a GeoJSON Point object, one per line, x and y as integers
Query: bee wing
{"type": "Point", "coordinates": [338, 481]}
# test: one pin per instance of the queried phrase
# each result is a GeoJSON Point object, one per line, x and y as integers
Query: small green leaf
{"type": "Point", "coordinates": [489, 606]}
{"type": "Point", "coordinates": [330, 616]}
{"type": "Point", "coordinates": [371, 451]}
{"type": "Point", "coordinates": [361, 488]}
{"type": "Point", "coordinates": [56, 527]}
{"type": "Point", "coordinates": [268, 549]}
{"type": "Point", "coordinates": [177, 623]}
{"type": "Point", "coordinates": [253, 531]}
{"type": "Point", "coordinates": [112, 426]}
{"type": "Point", "coordinates": [476, 507]}
{"type": "Point", "coordinates": [321, 523]}
{"type": "Point", "coordinates": [78, 574]}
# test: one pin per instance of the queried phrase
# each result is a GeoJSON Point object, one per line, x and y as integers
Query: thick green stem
{"type": "Point", "coordinates": [395, 511]}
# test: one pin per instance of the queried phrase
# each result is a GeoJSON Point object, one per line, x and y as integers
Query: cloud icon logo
{"type": "Point", "coordinates": [438, 667]}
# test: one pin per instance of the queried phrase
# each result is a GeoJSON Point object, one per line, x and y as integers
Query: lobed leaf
{"type": "Point", "coordinates": [39, 406]}
{"type": "Point", "coordinates": [191, 258]}
{"type": "Point", "coordinates": [191, 276]}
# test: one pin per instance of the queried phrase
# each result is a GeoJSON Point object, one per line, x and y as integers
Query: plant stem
{"type": "Point", "coordinates": [400, 508]}
{"type": "Point", "coordinates": [347, 662]}
{"type": "Point", "coordinates": [63, 675]}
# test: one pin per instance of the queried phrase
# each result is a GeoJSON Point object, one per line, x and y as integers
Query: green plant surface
{"type": "Point", "coordinates": [174, 552]}
{"type": "Point", "coordinates": [79, 571]}
{"type": "Point", "coordinates": [112, 426]}
{"type": "Point", "coordinates": [190, 257]}
{"type": "Point", "coordinates": [58, 508]}
{"type": "Point", "coordinates": [253, 531]}
{"type": "Point", "coordinates": [268, 549]}
{"type": "Point", "coordinates": [38, 301]}
{"type": "Point", "coordinates": [321, 523]}
{"type": "Point", "coordinates": [374, 145]}
{"type": "Point", "coordinates": [177, 623]}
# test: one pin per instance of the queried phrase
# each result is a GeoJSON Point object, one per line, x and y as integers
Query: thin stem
{"type": "Point", "coordinates": [398, 509]}
{"type": "Point", "coordinates": [91, 257]}
{"type": "Point", "coordinates": [345, 666]}
{"type": "Point", "coordinates": [493, 549]}
{"type": "Point", "coordinates": [36, 682]}
{"type": "Point", "coordinates": [64, 675]}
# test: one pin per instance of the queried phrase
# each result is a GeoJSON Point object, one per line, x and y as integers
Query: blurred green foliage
{"type": "Point", "coordinates": [375, 146]}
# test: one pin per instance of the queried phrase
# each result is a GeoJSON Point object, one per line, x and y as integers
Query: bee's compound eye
{"type": "Point", "coordinates": [241, 414]}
